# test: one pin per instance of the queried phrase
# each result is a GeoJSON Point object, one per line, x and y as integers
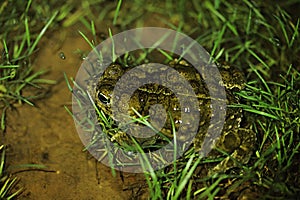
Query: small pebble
{"type": "Point", "coordinates": [62, 55]}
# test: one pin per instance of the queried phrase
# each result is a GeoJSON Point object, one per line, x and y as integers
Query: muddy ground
{"type": "Point", "coordinates": [45, 134]}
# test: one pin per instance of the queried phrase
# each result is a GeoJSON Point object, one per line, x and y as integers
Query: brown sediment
{"type": "Point", "coordinates": [46, 135]}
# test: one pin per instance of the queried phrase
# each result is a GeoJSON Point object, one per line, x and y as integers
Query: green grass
{"type": "Point", "coordinates": [278, 107]}
{"type": "Point", "coordinates": [20, 38]}
{"type": "Point", "coordinates": [23, 24]}
{"type": "Point", "coordinates": [7, 182]}
{"type": "Point", "coordinates": [262, 40]}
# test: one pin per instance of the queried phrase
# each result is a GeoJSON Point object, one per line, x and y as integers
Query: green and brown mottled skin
{"type": "Point", "coordinates": [234, 140]}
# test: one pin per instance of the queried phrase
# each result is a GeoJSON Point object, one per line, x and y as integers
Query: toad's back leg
{"type": "Point", "coordinates": [241, 154]}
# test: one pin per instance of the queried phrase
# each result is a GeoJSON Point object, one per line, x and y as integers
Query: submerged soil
{"type": "Point", "coordinates": [46, 135]}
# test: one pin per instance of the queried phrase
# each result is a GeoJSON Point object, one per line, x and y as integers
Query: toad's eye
{"type": "Point", "coordinates": [104, 99]}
